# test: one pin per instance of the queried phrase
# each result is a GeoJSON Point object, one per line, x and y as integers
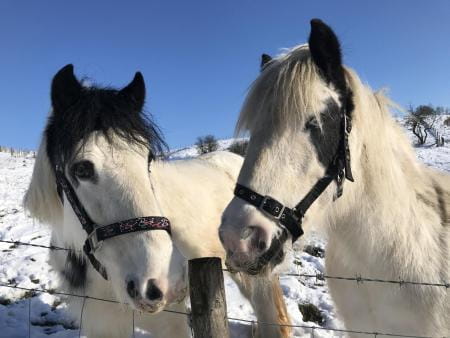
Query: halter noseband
{"type": "Point", "coordinates": [292, 218]}
{"type": "Point", "coordinates": [96, 233]}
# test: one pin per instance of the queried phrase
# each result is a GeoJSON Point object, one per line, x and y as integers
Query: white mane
{"type": "Point", "coordinates": [392, 222]}
{"type": "Point", "coordinates": [278, 96]}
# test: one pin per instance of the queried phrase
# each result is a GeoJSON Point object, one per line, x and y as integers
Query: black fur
{"type": "Point", "coordinates": [78, 111]}
{"type": "Point", "coordinates": [274, 255]}
{"type": "Point", "coordinates": [75, 271]}
{"type": "Point", "coordinates": [265, 60]}
{"type": "Point", "coordinates": [326, 54]}
{"type": "Point", "coordinates": [326, 139]}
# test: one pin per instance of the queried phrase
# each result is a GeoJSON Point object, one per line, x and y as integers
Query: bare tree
{"type": "Point", "coordinates": [420, 121]}
{"type": "Point", "coordinates": [206, 144]}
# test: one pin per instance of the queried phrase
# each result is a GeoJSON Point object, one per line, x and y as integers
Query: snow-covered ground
{"type": "Point", "coordinates": [44, 314]}
{"type": "Point", "coordinates": [191, 151]}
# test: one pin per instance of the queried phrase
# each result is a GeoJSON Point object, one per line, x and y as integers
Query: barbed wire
{"type": "Point", "coordinates": [309, 327]}
{"type": "Point", "coordinates": [68, 294]}
{"type": "Point", "coordinates": [251, 322]}
{"type": "Point", "coordinates": [317, 276]}
{"type": "Point", "coordinates": [51, 247]}
{"type": "Point", "coordinates": [360, 279]}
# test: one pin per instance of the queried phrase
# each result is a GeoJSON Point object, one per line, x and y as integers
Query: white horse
{"type": "Point", "coordinates": [104, 145]}
{"type": "Point", "coordinates": [392, 222]}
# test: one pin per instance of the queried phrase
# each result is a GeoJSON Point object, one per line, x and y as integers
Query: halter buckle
{"type": "Point", "coordinates": [272, 207]}
{"type": "Point", "coordinates": [94, 243]}
{"type": "Point", "coordinates": [347, 126]}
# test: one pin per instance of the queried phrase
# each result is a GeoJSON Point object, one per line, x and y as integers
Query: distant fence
{"type": "Point", "coordinates": [208, 316]}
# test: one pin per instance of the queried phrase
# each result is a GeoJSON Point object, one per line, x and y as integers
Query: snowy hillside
{"type": "Point", "coordinates": [192, 151]}
{"type": "Point", "coordinates": [44, 314]}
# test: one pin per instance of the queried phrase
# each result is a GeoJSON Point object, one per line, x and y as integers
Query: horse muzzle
{"type": "Point", "coordinates": [150, 299]}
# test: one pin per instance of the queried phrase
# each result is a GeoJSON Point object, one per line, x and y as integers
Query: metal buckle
{"type": "Point", "coordinates": [93, 241]}
{"type": "Point", "coordinates": [263, 203]}
{"type": "Point", "coordinates": [346, 131]}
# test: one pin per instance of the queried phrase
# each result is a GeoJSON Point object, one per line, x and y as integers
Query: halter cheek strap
{"type": "Point", "coordinates": [96, 234]}
{"type": "Point", "coordinates": [292, 218]}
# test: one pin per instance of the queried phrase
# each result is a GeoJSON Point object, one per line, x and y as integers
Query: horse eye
{"type": "Point", "coordinates": [84, 170]}
{"type": "Point", "coordinates": [312, 124]}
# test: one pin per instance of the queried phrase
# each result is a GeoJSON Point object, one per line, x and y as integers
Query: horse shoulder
{"type": "Point", "coordinates": [229, 162]}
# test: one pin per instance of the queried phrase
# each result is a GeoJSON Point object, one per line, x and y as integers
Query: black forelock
{"type": "Point", "coordinates": [101, 110]}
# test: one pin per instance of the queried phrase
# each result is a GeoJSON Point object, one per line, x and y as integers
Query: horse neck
{"type": "Point", "coordinates": [160, 183]}
{"type": "Point", "coordinates": [183, 191]}
{"type": "Point", "coordinates": [382, 203]}
{"type": "Point", "coordinates": [389, 222]}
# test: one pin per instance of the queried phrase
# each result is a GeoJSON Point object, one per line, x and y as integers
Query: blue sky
{"type": "Point", "coordinates": [199, 57]}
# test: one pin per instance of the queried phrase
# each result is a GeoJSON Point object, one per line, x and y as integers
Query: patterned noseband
{"type": "Point", "coordinates": [96, 234]}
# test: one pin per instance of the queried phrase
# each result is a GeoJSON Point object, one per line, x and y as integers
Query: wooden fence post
{"type": "Point", "coordinates": [209, 307]}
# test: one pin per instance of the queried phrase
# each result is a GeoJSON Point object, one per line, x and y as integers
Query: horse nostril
{"type": "Point", "coordinates": [131, 289]}
{"type": "Point", "coordinates": [153, 292]}
{"type": "Point", "coordinates": [262, 245]}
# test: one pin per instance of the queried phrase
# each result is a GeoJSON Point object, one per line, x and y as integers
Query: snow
{"type": "Point", "coordinates": [45, 315]}
{"type": "Point", "coordinates": [192, 151]}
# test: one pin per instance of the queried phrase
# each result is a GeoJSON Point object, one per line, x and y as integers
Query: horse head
{"type": "Point", "coordinates": [296, 113]}
{"type": "Point", "coordinates": [102, 144]}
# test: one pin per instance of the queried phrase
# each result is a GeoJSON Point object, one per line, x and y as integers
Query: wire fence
{"type": "Point", "coordinates": [319, 277]}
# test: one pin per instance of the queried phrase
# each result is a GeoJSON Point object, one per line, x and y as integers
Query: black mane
{"type": "Point", "coordinates": [104, 110]}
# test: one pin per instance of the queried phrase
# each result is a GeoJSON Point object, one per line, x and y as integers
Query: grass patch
{"type": "Point", "coordinates": [311, 313]}
{"type": "Point", "coordinates": [314, 251]}
{"type": "Point", "coordinates": [5, 301]}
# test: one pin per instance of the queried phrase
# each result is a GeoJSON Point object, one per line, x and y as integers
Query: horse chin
{"type": "Point", "coordinates": [149, 308]}
{"type": "Point", "coordinates": [261, 265]}
{"type": "Point", "coordinates": [254, 268]}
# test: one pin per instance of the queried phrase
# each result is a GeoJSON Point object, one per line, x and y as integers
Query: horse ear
{"type": "Point", "coordinates": [65, 89]}
{"type": "Point", "coordinates": [265, 59]}
{"type": "Point", "coordinates": [41, 199]}
{"type": "Point", "coordinates": [135, 91]}
{"type": "Point", "coordinates": [326, 53]}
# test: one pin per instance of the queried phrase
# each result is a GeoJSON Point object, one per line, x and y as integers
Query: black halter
{"type": "Point", "coordinates": [291, 218]}
{"type": "Point", "coordinates": [96, 233]}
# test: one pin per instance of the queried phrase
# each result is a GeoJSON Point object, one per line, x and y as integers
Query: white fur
{"type": "Point", "coordinates": [392, 222]}
{"type": "Point", "coordinates": [191, 193]}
